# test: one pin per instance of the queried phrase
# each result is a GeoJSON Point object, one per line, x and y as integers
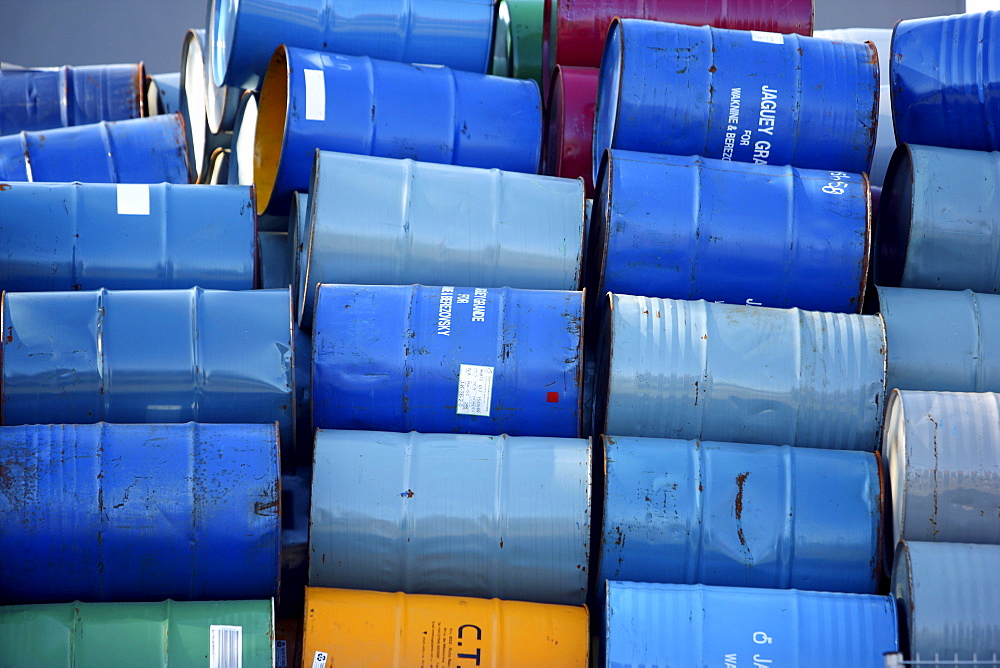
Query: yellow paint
{"type": "Point", "coordinates": [364, 628]}
{"type": "Point", "coordinates": [269, 136]}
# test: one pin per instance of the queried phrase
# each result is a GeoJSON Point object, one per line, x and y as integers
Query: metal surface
{"type": "Point", "coordinates": [163, 93]}
{"type": "Point", "coordinates": [509, 515]}
{"type": "Point", "coordinates": [455, 33]}
{"type": "Point", "coordinates": [298, 224]}
{"type": "Point", "coordinates": [56, 97]}
{"type": "Point", "coordinates": [737, 95]}
{"type": "Point", "coordinates": [522, 37]}
{"type": "Point", "coordinates": [351, 104]}
{"type": "Point", "coordinates": [437, 225]}
{"type": "Point", "coordinates": [741, 515]}
{"type": "Point", "coordinates": [944, 78]}
{"type": "Point", "coordinates": [139, 512]}
{"type": "Point", "coordinates": [241, 148]}
{"type": "Point", "coordinates": [173, 634]}
{"type": "Point", "coordinates": [880, 37]}
{"type": "Point", "coordinates": [697, 228]}
{"type": "Point", "coordinates": [940, 226]}
{"type": "Point", "coordinates": [698, 625]}
{"type": "Point", "coordinates": [365, 628]}
{"type": "Point", "coordinates": [274, 269]}
{"type": "Point", "coordinates": [569, 125]}
{"type": "Point", "coordinates": [140, 150]}
{"type": "Point", "coordinates": [448, 359]}
{"type": "Point", "coordinates": [941, 341]}
{"type": "Point", "coordinates": [148, 356]}
{"type": "Point", "coordinates": [218, 168]}
{"type": "Point", "coordinates": [746, 374]}
{"type": "Point", "coordinates": [85, 236]}
{"type": "Point", "coordinates": [193, 105]}
{"type": "Point", "coordinates": [949, 600]}
{"type": "Point", "coordinates": [221, 102]}
{"type": "Point", "coordinates": [944, 465]}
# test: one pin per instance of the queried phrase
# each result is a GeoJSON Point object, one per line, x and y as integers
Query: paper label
{"type": "Point", "coordinates": [133, 199]}
{"type": "Point", "coordinates": [319, 660]}
{"type": "Point", "coordinates": [315, 95]}
{"type": "Point", "coordinates": [475, 390]}
{"type": "Point", "coordinates": [768, 37]}
{"type": "Point", "coordinates": [225, 646]}
{"type": "Point", "coordinates": [280, 654]}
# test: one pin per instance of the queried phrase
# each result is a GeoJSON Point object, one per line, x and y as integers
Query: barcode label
{"type": "Point", "coordinates": [319, 660]}
{"type": "Point", "coordinates": [475, 390]}
{"type": "Point", "coordinates": [769, 37]}
{"type": "Point", "coordinates": [133, 199]}
{"type": "Point", "coordinates": [315, 95]}
{"type": "Point", "coordinates": [225, 646]}
{"type": "Point", "coordinates": [280, 654]}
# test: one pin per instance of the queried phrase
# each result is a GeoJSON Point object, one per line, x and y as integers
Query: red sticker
{"type": "Point", "coordinates": [552, 397]}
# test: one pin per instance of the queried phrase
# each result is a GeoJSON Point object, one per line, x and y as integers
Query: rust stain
{"type": "Point", "coordinates": [4, 186]}
{"type": "Point", "coordinates": [743, 540]}
{"type": "Point", "coordinates": [713, 69]}
{"type": "Point", "coordinates": [264, 509]}
{"type": "Point", "coordinates": [933, 517]}
{"type": "Point", "coordinates": [740, 479]}
{"type": "Point", "coordinates": [407, 494]}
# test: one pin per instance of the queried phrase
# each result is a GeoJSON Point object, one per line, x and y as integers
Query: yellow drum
{"type": "Point", "coordinates": [350, 628]}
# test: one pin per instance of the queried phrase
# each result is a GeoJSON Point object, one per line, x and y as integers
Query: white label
{"type": "Point", "coordinates": [133, 199]}
{"type": "Point", "coordinates": [769, 37]}
{"type": "Point", "coordinates": [475, 390]}
{"type": "Point", "coordinates": [319, 660]}
{"type": "Point", "coordinates": [315, 95]}
{"type": "Point", "coordinates": [280, 654]}
{"type": "Point", "coordinates": [225, 646]}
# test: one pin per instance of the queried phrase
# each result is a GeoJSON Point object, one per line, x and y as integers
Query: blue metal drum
{"type": "Point", "coordinates": [454, 514]}
{"type": "Point", "coordinates": [939, 223]}
{"type": "Point", "coordinates": [56, 97]}
{"type": "Point", "coordinates": [140, 150]}
{"type": "Point", "coordinates": [85, 236]}
{"type": "Point", "coordinates": [448, 359]}
{"type": "Point", "coordinates": [273, 250]}
{"type": "Point", "coordinates": [949, 598]}
{"type": "Point", "coordinates": [945, 78]}
{"type": "Point", "coordinates": [941, 340]}
{"type": "Point", "coordinates": [163, 93]}
{"type": "Point", "coordinates": [241, 146]}
{"type": "Point", "coordinates": [744, 374]}
{"type": "Point", "coordinates": [741, 95]}
{"type": "Point", "coordinates": [243, 33]}
{"type": "Point", "coordinates": [741, 515]}
{"type": "Point", "coordinates": [352, 104]}
{"type": "Point", "coordinates": [148, 356]}
{"type": "Point", "coordinates": [697, 228]}
{"type": "Point", "coordinates": [438, 224]}
{"type": "Point", "coordinates": [696, 625]}
{"type": "Point", "coordinates": [139, 512]}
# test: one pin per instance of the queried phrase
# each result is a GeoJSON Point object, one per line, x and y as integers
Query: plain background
{"type": "Point", "coordinates": [44, 33]}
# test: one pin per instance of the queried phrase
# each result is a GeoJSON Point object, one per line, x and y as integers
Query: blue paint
{"type": "Point", "coordinates": [737, 95]}
{"type": "Point", "coordinates": [741, 515]}
{"type": "Point", "coordinates": [697, 228]}
{"type": "Point", "coordinates": [85, 236]}
{"type": "Point", "coordinates": [131, 512]}
{"type": "Point", "coordinates": [389, 358]}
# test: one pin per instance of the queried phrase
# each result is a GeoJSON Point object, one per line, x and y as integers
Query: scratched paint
{"type": "Point", "coordinates": [130, 512]}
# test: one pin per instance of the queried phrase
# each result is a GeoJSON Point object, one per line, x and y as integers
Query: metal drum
{"type": "Point", "coordinates": [448, 359]}
{"type": "Point", "coordinates": [148, 356]}
{"type": "Point", "coordinates": [438, 225]}
{"type": "Point", "coordinates": [244, 33]}
{"type": "Point", "coordinates": [163, 93]}
{"type": "Point", "coordinates": [192, 91]}
{"type": "Point", "coordinates": [56, 97]}
{"type": "Point", "coordinates": [944, 465]}
{"type": "Point", "coordinates": [745, 374]}
{"type": "Point", "coordinates": [941, 341]}
{"type": "Point", "coordinates": [509, 516]}
{"type": "Point", "coordinates": [746, 96]}
{"type": "Point", "coordinates": [273, 250]}
{"type": "Point", "coordinates": [85, 236]}
{"type": "Point", "coordinates": [140, 150]}
{"type": "Point", "coordinates": [569, 125]}
{"type": "Point", "coordinates": [741, 515]}
{"type": "Point", "coordinates": [945, 78]}
{"type": "Point", "coordinates": [365, 628]}
{"type": "Point", "coordinates": [241, 147]}
{"type": "Point", "coordinates": [352, 104]}
{"type": "Point", "coordinates": [940, 226]}
{"type": "Point", "coordinates": [949, 597]}
{"type": "Point", "coordinates": [139, 512]}
{"type": "Point", "coordinates": [697, 228]}
{"type": "Point", "coordinates": [169, 633]}
{"type": "Point", "coordinates": [517, 39]}
{"type": "Point", "coordinates": [298, 236]}
{"type": "Point", "coordinates": [698, 625]}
